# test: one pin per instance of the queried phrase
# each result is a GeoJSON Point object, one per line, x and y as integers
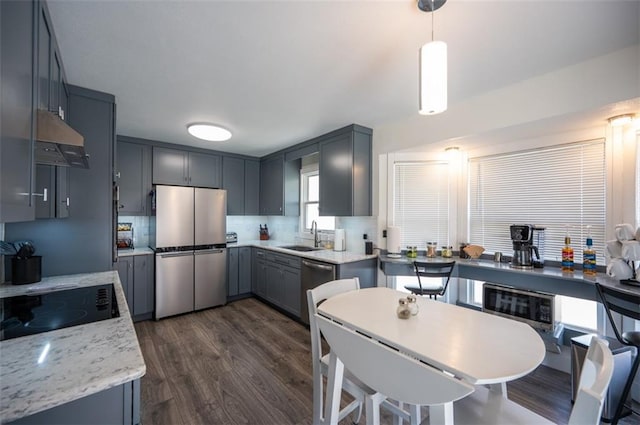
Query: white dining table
{"type": "Point", "coordinates": [476, 347]}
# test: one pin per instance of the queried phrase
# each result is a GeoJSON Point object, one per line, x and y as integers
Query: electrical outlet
{"type": "Point", "coordinates": [384, 233]}
{"type": "Point", "coordinates": [364, 236]}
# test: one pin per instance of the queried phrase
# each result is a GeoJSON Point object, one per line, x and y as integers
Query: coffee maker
{"type": "Point", "coordinates": [528, 246]}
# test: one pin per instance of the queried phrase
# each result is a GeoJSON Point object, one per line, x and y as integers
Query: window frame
{"type": "Point", "coordinates": [305, 173]}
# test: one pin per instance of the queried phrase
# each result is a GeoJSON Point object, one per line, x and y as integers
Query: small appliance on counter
{"type": "Point", "coordinates": [526, 254]}
{"type": "Point", "coordinates": [232, 237]}
{"type": "Point", "coordinates": [125, 236]}
{"type": "Point", "coordinates": [339, 240]}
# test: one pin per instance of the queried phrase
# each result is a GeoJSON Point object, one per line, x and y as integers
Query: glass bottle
{"type": "Point", "coordinates": [567, 254]}
{"type": "Point", "coordinates": [589, 256]}
{"type": "Point", "coordinates": [431, 249]}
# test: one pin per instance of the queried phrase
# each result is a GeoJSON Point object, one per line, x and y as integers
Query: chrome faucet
{"type": "Point", "coordinates": [314, 232]}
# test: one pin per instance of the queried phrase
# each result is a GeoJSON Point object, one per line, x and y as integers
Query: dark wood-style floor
{"type": "Point", "coordinates": [246, 363]}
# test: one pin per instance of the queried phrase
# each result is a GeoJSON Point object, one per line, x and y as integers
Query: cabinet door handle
{"type": "Point", "coordinates": [44, 195]}
{"type": "Point", "coordinates": [66, 202]}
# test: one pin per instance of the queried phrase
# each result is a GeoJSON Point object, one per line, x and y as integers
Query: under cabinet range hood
{"type": "Point", "coordinates": [57, 143]}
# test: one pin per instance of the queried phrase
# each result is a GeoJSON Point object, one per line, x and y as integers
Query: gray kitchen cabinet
{"type": "Point", "coordinates": [345, 173]}
{"type": "Point", "coordinates": [279, 186]}
{"type": "Point", "coordinates": [133, 178]}
{"type": "Point", "coordinates": [241, 179]}
{"type": "Point", "coordinates": [184, 168]}
{"type": "Point", "coordinates": [137, 278]}
{"type": "Point", "coordinates": [244, 270]}
{"type": "Point", "coordinates": [143, 287]}
{"type": "Point", "coordinates": [232, 272]}
{"type": "Point", "coordinates": [233, 181]}
{"type": "Point", "coordinates": [125, 272]}
{"type": "Point", "coordinates": [17, 55]}
{"type": "Point", "coordinates": [251, 187]}
{"type": "Point", "coordinates": [52, 192]}
{"type": "Point", "coordinates": [259, 281]}
{"type": "Point", "coordinates": [239, 269]}
{"type": "Point", "coordinates": [277, 280]}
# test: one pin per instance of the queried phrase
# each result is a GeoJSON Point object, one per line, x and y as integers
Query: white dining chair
{"type": "Point", "coordinates": [388, 371]}
{"type": "Point", "coordinates": [350, 384]}
{"type": "Point", "coordinates": [488, 407]}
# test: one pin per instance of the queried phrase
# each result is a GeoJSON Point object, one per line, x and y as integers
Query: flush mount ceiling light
{"type": "Point", "coordinates": [433, 67]}
{"type": "Point", "coordinates": [210, 132]}
{"type": "Point", "coordinates": [620, 120]}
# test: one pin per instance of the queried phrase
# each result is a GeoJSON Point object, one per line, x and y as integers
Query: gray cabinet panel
{"type": "Point", "coordinates": [244, 270]}
{"type": "Point", "coordinates": [345, 174]}
{"type": "Point", "coordinates": [134, 175]}
{"type": "Point", "coordinates": [17, 50]}
{"type": "Point", "coordinates": [143, 285]}
{"type": "Point", "coordinates": [251, 187]}
{"type": "Point", "coordinates": [205, 170]}
{"type": "Point", "coordinates": [272, 186]}
{"type": "Point", "coordinates": [233, 175]}
{"type": "Point", "coordinates": [44, 59]}
{"type": "Point", "coordinates": [336, 165]}
{"type": "Point", "coordinates": [290, 295]}
{"type": "Point", "coordinates": [170, 166]}
{"type": "Point", "coordinates": [232, 271]}
{"type": "Point", "coordinates": [115, 405]}
{"type": "Point", "coordinates": [125, 272]}
{"type": "Point", "coordinates": [63, 196]}
{"type": "Point", "coordinates": [259, 281]}
{"type": "Point", "coordinates": [45, 188]}
{"type": "Point", "coordinates": [56, 80]}
{"type": "Point", "coordinates": [52, 197]}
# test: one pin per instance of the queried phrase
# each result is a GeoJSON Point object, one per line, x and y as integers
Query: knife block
{"type": "Point", "coordinates": [26, 270]}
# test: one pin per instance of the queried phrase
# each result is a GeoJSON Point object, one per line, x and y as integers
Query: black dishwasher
{"type": "Point", "coordinates": [313, 274]}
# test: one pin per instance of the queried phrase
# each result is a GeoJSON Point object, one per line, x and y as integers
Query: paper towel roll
{"type": "Point", "coordinates": [393, 240]}
{"type": "Point", "coordinates": [339, 240]}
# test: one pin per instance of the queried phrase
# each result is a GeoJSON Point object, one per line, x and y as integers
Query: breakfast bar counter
{"type": "Point", "coordinates": [547, 279]}
{"type": "Point", "coordinates": [47, 370]}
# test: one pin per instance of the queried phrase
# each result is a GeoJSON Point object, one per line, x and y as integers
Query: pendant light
{"type": "Point", "coordinates": [433, 67]}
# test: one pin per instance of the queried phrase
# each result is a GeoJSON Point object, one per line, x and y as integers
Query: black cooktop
{"type": "Point", "coordinates": [32, 314]}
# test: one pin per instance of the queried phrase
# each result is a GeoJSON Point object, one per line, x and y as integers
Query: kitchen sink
{"type": "Point", "coordinates": [302, 248]}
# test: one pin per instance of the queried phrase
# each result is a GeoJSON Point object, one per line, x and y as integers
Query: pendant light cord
{"type": "Point", "coordinates": [433, 12]}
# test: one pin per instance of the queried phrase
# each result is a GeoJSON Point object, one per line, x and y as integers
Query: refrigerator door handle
{"type": "Point", "coordinates": [208, 251]}
{"type": "Point", "coordinates": [175, 254]}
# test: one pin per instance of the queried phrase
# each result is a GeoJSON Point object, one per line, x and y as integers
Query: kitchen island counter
{"type": "Point", "coordinates": [46, 370]}
{"type": "Point", "coordinates": [321, 254]}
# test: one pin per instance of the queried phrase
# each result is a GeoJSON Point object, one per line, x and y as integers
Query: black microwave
{"type": "Point", "coordinates": [537, 309]}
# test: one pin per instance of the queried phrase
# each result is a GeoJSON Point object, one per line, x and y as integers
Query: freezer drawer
{"type": "Point", "coordinates": [174, 283]}
{"type": "Point", "coordinates": [210, 273]}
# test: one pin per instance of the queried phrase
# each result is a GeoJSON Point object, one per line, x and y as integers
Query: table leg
{"type": "Point", "coordinates": [500, 388]}
{"type": "Point", "coordinates": [441, 414]}
{"type": "Point", "coordinates": [334, 390]}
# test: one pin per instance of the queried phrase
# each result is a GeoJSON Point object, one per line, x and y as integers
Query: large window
{"type": "Point", "coordinates": [551, 187]}
{"type": "Point", "coordinates": [421, 202]}
{"type": "Point", "coordinates": [310, 185]}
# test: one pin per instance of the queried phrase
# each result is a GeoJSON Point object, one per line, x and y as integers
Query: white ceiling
{"type": "Point", "coordinates": [279, 72]}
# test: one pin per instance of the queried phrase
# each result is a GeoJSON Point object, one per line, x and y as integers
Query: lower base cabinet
{"type": "Point", "coordinates": [277, 280]}
{"type": "Point", "coordinates": [136, 276]}
{"type": "Point", "coordinates": [239, 271]}
{"type": "Point", "coordinates": [117, 405]}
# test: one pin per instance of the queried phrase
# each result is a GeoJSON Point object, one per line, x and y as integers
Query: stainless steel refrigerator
{"type": "Point", "coordinates": [188, 233]}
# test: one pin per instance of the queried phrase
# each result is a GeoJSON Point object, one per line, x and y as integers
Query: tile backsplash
{"type": "Point", "coordinates": [280, 228]}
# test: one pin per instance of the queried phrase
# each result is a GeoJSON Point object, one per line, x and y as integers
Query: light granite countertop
{"type": "Point", "coordinates": [81, 360]}
{"type": "Point", "coordinates": [325, 255]}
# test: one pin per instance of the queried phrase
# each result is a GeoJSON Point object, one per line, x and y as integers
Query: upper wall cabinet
{"type": "Point", "coordinates": [279, 186]}
{"type": "Point", "coordinates": [345, 173]}
{"type": "Point", "coordinates": [183, 168]}
{"type": "Point", "coordinates": [241, 179]}
{"type": "Point", "coordinates": [133, 171]}
{"type": "Point", "coordinates": [17, 50]}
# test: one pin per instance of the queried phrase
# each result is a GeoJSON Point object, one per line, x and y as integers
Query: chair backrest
{"type": "Point", "coordinates": [390, 372]}
{"type": "Point", "coordinates": [620, 301]}
{"type": "Point", "coordinates": [594, 382]}
{"type": "Point", "coordinates": [428, 270]}
{"type": "Point", "coordinates": [314, 297]}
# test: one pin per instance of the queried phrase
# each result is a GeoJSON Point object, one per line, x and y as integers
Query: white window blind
{"type": "Point", "coordinates": [550, 187]}
{"type": "Point", "coordinates": [421, 202]}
